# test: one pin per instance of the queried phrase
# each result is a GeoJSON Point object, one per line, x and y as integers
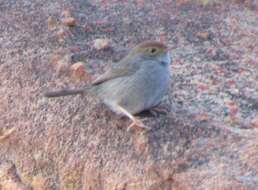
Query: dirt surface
{"type": "Point", "coordinates": [208, 138]}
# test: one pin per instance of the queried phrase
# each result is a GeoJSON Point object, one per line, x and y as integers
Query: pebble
{"type": "Point", "coordinates": [69, 21]}
{"type": "Point", "coordinates": [101, 44]}
{"type": "Point", "coordinates": [78, 71]}
{"type": "Point", "coordinates": [51, 22]}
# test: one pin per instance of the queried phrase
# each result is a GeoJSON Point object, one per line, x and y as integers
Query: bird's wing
{"type": "Point", "coordinates": [123, 68]}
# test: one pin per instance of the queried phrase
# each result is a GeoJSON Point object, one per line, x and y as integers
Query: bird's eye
{"type": "Point", "coordinates": [153, 50]}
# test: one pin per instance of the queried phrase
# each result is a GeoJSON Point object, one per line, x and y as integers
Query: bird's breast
{"type": "Point", "coordinates": [137, 92]}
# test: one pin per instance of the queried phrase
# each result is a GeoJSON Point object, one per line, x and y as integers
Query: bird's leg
{"type": "Point", "coordinates": [135, 122]}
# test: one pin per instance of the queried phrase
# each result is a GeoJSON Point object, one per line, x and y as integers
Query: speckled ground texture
{"type": "Point", "coordinates": [207, 139]}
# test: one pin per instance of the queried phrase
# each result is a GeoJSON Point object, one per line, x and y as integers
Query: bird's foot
{"type": "Point", "coordinates": [138, 124]}
{"type": "Point", "coordinates": [159, 110]}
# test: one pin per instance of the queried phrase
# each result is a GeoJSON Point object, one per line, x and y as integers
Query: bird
{"type": "Point", "coordinates": [136, 83]}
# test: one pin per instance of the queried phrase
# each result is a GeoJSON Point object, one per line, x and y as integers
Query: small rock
{"type": "Point", "coordinates": [78, 71]}
{"type": "Point", "coordinates": [202, 117]}
{"type": "Point", "coordinates": [101, 44]}
{"type": "Point", "coordinates": [203, 35]}
{"type": "Point", "coordinates": [69, 21]}
{"type": "Point", "coordinates": [52, 22]}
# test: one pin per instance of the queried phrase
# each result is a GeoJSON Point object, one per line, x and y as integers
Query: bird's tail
{"type": "Point", "coordinates": [59, 93]}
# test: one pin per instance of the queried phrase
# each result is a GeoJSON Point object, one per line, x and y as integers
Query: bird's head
{"type": "Point", "coordinates": [152, 50]}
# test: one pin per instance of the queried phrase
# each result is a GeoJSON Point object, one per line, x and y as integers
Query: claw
{"type": "Point", "coordinates": [136, 122]}
{"type": "Point", "coordinates": [139, 124]}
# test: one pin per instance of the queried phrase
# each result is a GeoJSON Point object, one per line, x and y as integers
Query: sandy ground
{"type": "Point", "coordinates": [208, 138]}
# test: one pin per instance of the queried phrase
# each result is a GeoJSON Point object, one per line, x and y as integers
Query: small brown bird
{"type": "Point", "coordinates": [137, 83]}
